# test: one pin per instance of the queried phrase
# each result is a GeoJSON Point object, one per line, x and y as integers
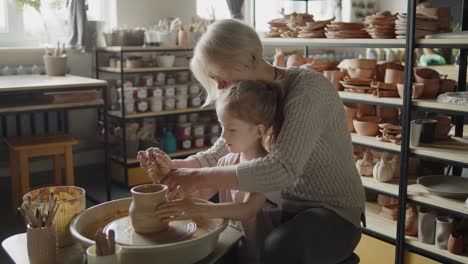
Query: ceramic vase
{"type": "Point", "coordinates": [455, 243]}
{"type": "Point", "coordinates": [41, 244]}
{"type": "Point", "coordinates": [351, 112]}
{"type": "Point", "coordinates": [444, 226]}
{"type": "Point", "coordinates": [426, 226]}
{"type": "Point", "coordinates": [142, 211]}
{"type": "Point", "coordinates": [411, 223]}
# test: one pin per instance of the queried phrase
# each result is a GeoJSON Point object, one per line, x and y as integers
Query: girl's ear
{"type": "Point", "coordinates": [261, 131]}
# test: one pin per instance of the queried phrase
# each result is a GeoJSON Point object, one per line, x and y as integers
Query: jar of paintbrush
{"type": "Point", "coordinates": [41, 235]}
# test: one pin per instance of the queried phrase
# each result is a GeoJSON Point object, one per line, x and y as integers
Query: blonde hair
{"type": "Point", "coordinates": [227, 45]}
{"type": "Point", "coordinates": [256, 102]}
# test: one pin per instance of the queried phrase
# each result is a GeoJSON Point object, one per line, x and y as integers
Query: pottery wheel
{"type": "Point", "coordinates": [126, 235]}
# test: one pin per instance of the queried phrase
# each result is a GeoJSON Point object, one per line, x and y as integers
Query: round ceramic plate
{"type": "Point", "coordinates": [446, 186]}
{"type": "Point", "coordinates": [125, 235]}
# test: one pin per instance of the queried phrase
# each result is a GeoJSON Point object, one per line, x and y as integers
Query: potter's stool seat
{"type": "Point", "coordinates": [23, 148]}
{"type": "Point", "coordinates": [353, 259]}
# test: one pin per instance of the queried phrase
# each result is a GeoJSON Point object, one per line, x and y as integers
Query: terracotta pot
{"type": "Point", "coordinates": [394, 76]}
{"type": "Point", "coordinates": [431, 80]}
{"type": "Point", "coordinates": [455, 243]}
{"type": "Point", "coordinates": [142, 213]}
{"type": "Point", "coordinates": [418, 89]}
{"type": "Point", "coordinates": [388, 114]}
{"type": "Point", "coordinates": [447, 85]}
{"type": "Point", "coordinates": [361, 73]}
{"type": "Point", "coordinates": [295, 60]}
{"type": "Point", "coordinates": [426, 226]}
{"type": "Point", "coordinates": [335, 77]}
{"type": "Point", "coordinates": [363, 64]}
{"type": "Point", "coordinates": [367, 126]}
{"type": "Point", "coordinates": [443, 127]}
{"type": "Point", "coordinates": [351, 112]}
{"type": "Point", "coordinates": [41, 244]}
{"type": "Point", "coordinates": [444, 226]}
{"type": "Point", "coordinates": [384, 200]}
{"type": "Point", "coordinates": [365, 110]}
{"type": "Point", "coordinates": [411, 224]}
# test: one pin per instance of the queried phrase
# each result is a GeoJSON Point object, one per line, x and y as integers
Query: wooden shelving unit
{"type": "Point", "coordinates": [118, 114]}
{"type": "Point", "coordinates": [54, 106]}
{"type": "Point", "coordinates": [143, 70]}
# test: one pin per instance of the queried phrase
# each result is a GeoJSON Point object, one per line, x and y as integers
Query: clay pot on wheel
{"type": "Point", "coordinates": [142, 213]}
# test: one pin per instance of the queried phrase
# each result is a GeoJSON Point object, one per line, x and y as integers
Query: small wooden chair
{"type": "Point", "coordinates": [23, 148]}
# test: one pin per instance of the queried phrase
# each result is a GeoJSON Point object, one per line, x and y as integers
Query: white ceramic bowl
{"type": "Point", "coordinates": [188, 251]}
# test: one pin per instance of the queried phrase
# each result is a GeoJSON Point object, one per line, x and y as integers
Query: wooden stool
{"type": "Point", "coordinates": [23, 148]}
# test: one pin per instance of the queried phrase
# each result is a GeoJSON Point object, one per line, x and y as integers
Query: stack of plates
{"type": "Point", "coordinates": [425, 25]}
{"type": "Point", "coordinates": [346, 30]}
{"type": "Point", "coordinates": [357, 85]}
{"type": "Point", "coordinates": [315, 29]}
{"type": "Point", "coordinates": [289, 26]}
{"type": "Point", "coordinates": [381, 25]}
{"type": "Point", "coordinates": [277, 27]}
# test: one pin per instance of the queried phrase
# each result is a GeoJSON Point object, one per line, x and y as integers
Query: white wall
{"type": "Point", "coordinates": [148, 12]}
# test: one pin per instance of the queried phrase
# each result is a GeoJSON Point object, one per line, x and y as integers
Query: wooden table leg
{"type": "Point", "coordinates": [57, 170]}
{"type": "Point", "coordinates": [70, 177]}
{"type": "Point", "coordinates": [24, 172]}
{"type": "Point", "coordinates": [15, 180]}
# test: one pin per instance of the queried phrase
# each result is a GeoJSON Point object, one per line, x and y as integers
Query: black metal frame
{"type": "Point", "coordinates": [62, 123]}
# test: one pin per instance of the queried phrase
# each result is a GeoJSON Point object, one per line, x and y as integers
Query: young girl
{"type": "Point", "coordinates": [250, 117]}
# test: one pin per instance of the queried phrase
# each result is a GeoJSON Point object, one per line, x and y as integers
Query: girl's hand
{"type": "Point", "coordinates": [181, 209]}
{"type": "Point", "coordinates": [146, 157]}
{"type": "Point", "coordinates": [189, 179]}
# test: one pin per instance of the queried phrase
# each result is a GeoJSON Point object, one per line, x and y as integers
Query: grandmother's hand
{"type": "Point", "coordinates": [189, 179]}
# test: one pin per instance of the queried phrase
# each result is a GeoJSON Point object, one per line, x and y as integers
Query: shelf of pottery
{"type": "Point", "coordinates": [372, 93]}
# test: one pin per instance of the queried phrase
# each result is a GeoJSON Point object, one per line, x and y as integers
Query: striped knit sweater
{"type": "Point", "coordinates": [311, 162]}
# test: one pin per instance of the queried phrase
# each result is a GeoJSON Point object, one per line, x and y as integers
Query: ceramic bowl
{"type": "Point", "coordinates": [431, 80]}
{"type": "Point", "coordinates": [426, 73]}
{"type": "Point", "coordinates": [367, 125]}
{"type": "Point", "coordinates": [363, 64]}
{"type": "Point", "coordinates": [418, 89]}
{"type": "Point", "coordinates": [165, 60]}
{"type": "Point", "coordinates": [361, 73]}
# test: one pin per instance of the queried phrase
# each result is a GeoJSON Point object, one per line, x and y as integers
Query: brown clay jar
{"type": "Point", "coordinates": [351, 112]}
{"type": "Point", "coordinates": [142, 211]}
{"type": "Point", "coordinates": [455, 243]}
{"type": "Point", "coordinates": [411, 224]}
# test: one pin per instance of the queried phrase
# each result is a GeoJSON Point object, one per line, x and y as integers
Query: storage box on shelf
{"type": "Point", "coordinates": [153, 82]}
{"type": "Point", "coordinates": [453, 151]}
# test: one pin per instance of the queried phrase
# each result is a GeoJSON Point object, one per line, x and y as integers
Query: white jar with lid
{"type": "Point", "coordinates": [186, 143]}
{"type": "Point", "coordinates": [140, 93]}
{"type": "Point", "coordinates": [128, 93]}
{"type": "Point", "coordinates": [160, 78]}
{"type": "Point", "coordinates": [169, 90]}
{"type": "Point", "coordinates": [129, 106]}
{"type": "Point", "coordinates": [141, 106]}
{"type": "Point", "coordinates": [181, 101]}
{"type": "Point", "coordinates": [158, 91]}
{"type": "Point", "coordinates": [171, 80]}
{"type": "Point", "coordinates": [169, 103]}
{"type": "Point", "coordinates": [156, 104]}
{"type": "Point", "coordinates": [198, 130]}
{"type": "Point", "coordinates": [194, 89]}
{"type": "Point", "coordinates": [195, 101]}
{"type": "Point", "coordinates": [181, 89]}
